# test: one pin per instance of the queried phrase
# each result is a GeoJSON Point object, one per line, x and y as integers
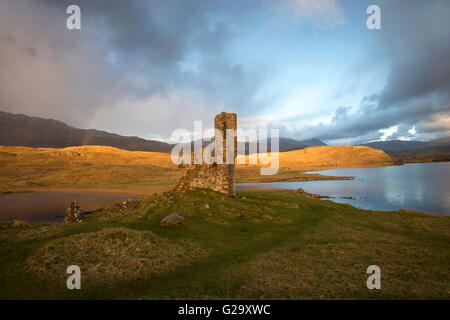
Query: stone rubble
{"type": "Point", "coordinates": [73, 213]}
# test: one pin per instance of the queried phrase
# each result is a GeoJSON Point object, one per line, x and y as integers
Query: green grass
{"type": "Point", "coordinates": [261, 244]}
{"type": "Point", "coordinates": [253, 174]}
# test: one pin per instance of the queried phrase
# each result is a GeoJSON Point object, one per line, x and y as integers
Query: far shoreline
{"type": "Point", "coordinates": [292, 176]}
{"type": "Point", "coordinates": [138, 191]}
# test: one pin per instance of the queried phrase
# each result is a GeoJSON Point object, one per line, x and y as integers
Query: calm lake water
{"type": "Point", "coordinates": [420, 186]}
{"type": "Point", "coordinates": [51, 206]}
{"type": "Point", "coordinates": [423, 186]}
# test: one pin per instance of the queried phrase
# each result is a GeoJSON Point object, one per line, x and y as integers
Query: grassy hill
{"type": "Point", "coordinates": [107, 167]}
{"type": "Point", "coordinates": [262, 244]}
{"type": "Point", "coordinates": [327, 157]}
{"type": "Point", "coordinates": [87, 166]}
{"type": "Point", "coordinates": [292, 163]}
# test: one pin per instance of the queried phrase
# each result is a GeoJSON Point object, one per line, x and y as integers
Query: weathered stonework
{"type": "Point", "coordinates": [222, 123]}
{"type": "Point", "coordinates": [73, 213]}
{"type": "Point", "coordinates": [216, 176]}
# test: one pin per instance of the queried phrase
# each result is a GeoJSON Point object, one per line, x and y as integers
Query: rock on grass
{"type": "Point", "coordinates": [175, 220]}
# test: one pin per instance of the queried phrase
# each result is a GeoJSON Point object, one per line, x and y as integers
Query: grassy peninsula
{"type": "Point", "coordinates": [261, 244]}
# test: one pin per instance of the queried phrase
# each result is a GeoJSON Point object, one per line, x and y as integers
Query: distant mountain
{"type": "Point", "coordinates": [22, 130]}
{"type": "Point", "coordinates": [395, 145]}
{"type": "Point", "coordinates": [285, 144]}
{"type": "Point", "coordinates": [313, 142]}
{"type": "Point", "coordinates": [288, 144]}
{"type": "Point", "coordinates": [439, 142]}
{"type": "Point", "coordinates": [438, 146]}
{"type": "Point", "coordinates": [26, 131]}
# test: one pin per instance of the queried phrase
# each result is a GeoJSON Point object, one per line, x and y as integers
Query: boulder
{"type": "Point", "coordinates": [174, 220]}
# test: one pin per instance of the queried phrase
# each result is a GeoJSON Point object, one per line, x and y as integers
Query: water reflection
{"type": "Point", "coordinates": [51, 206]}
{"type": "Point", "coordinates": [420, 186]}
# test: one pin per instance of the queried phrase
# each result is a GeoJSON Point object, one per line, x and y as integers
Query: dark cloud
{"type": "Point", "coordinates": [9, 38]}
{"type": "Point", "coordinates": [154, 40]}
{"type": "Point", "coordinates": [125, 50]}
{"type": "Point", "coordinates": [31, 51]}
{"type": "Point", "coordinates": [153, 66]}
{"type": "Point", "coordinates": [364, 124]}
{"type": "Point", "coordinates": [416, 38]}
{"type": "Point", "coordinates": [415, 41]}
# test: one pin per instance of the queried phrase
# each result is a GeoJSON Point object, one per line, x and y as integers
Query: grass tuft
{"type": "Point", "coordinates": [111, 255]}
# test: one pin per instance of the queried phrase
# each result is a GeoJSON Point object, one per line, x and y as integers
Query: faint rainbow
{"type": "Point", "coordinates": [120, 83]}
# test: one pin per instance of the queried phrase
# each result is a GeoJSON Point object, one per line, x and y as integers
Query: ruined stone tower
{"type": "Point", "coordinates": [219, 175]}
{"type": "Point", "coordinates": [222, 123]}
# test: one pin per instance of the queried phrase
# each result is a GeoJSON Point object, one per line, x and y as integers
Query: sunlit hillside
{"type": "Point", "coordinates": [327, 157]}
{"type": "Point", "coordinates": [294, 163]}
{"type": "Point", "coordinates": [98, 166]}
{"type": "Point", "coordinates": [83, 166]}
{"type": "Point", "coordinates": [334, 157]}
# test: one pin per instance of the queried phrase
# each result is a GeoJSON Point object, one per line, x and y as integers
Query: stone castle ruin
{"type": "Point", "coordinates": [218, 174]}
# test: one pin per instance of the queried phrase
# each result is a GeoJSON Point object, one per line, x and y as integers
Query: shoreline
{"type": "Point", "coordinates": [319, 196]}
{"type": "Point", "coordinates": [309, 174]}
{"type": "Point", "coordinates": [139, 191]}
{"type": "Point", "coordinates": [146, 191]}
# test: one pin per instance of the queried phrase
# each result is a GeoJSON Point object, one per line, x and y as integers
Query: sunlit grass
{"type": "Point", "coordinates": [107, 167]}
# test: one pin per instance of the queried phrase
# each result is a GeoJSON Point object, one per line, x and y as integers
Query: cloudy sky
{"type": "Point", "coordinates": [308, 67]}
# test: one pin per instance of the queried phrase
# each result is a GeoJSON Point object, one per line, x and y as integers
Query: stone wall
{"type": "Point", "coordinates": [216, 176]}
{"type": "Point", "coordinates": [222, 122]}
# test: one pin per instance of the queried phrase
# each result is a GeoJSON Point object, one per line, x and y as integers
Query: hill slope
{"type": "Point", "coordinates": [26, 131]}
{"type": "Point", "coordinates": [85, 166]}
{"type": "Point", "coordinates": [438, 146]}
{"type": "Point", "coordinates": [284, 144]}
{"type": "Point", "coordinates": [335, 157]}
{"type": "Point", "coordinates": [101, 167]}
{"type": "Point", "coordinates": [395, 146]}
{"type": "Point", "coordinates": [22, 130]}
{"type": "Point", "coordinates": [329, 157]}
